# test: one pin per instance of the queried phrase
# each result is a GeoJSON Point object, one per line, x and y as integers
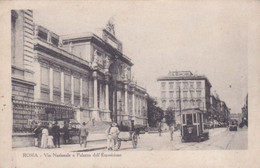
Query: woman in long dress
{"type": "Point", "coordinates": [45, 134]}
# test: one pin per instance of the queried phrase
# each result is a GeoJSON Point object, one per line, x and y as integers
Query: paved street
{"type": "Point", "coordinates": [220, 139]}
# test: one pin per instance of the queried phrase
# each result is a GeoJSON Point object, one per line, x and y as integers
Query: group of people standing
{"type": "Point", "coordinates": [48, 135]}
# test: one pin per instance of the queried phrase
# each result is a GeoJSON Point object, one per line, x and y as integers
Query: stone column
{"type": "Point", "coordinates": [95, 90]}
{"type": "Point", "coordinates": [95, 112]}
{"type": "Point", "coordinates": [37, 78]}
{"type": "Point", "coordinates": [133, 104]}
{"type": "Point", "coordinates": [62, 86]}
{"type": "Point", "coordinates": [107, 96]}
{"type": "Point", "coordinates": [80, 92]}
{"type": "Point", "coordinates": [100, 96]}
{"type": "Point", "coordinates": [51, 84]}
{"type": "Point", "coordinates": [72, 89]}
{"type": "Point", "coordinates": [126, 101]}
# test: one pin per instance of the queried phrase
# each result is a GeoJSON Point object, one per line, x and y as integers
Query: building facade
{"type": "Point", "coordinates": [181, 90]}
{"type": "Point", "coordinates": [78, 76]}
{"type": "Point", "coordinates": [219, 111]}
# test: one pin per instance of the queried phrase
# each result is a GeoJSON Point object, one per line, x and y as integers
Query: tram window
{"type": "Point", "coordinates": [189, 119]}
{"type": "Point", "coordinates": [183, 119]}
{"type": "Point", "coordinates": [195, 118]}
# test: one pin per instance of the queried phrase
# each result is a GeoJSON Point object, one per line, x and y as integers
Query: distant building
{"type": "Point", "coordinates": [219, 110]}
{"type": "Point", "coordinates": [181, 90]}
{"type": "Point", "coordinates": [78, 76]}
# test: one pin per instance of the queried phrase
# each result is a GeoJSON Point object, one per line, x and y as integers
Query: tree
{"type": "Point", "coordinates": [155, 113]}
{"type": "Point", "coordinates": [169, 116]}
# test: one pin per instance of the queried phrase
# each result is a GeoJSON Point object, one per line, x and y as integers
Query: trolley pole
{"type": "Point", "coordinates": [180, 109]}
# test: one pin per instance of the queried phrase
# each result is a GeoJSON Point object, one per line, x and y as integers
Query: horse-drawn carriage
{"type": "Point", "coordinates": [128, 133]}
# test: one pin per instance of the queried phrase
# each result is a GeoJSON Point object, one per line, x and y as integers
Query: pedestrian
{"type": "Point", "coordinates": [44, 139]}
{"type": "Point", "coordinates": [50, 137]}
{"type": "Point", "coordinates": [109, 138]}
{"type": "Point", "coordinates": [160, 129]}
{"type": "Point", "coordinates": [171, 129]}
{"type": "Point", "coordinates": [37, 134]}
{"type": "Point", "coordinates": [56, 134]}
{"type": "Point", "coordinates": [83, 133]}
{"type": "Point", "coordinates": [114, 132]}
{"type": "Point", "coordinates": [66, 136]}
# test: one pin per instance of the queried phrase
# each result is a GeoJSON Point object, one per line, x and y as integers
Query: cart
{"type": "Point", "coordinates": [128, 133]}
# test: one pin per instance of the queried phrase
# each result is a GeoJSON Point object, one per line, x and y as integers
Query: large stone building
{"type": "Point", "coordinates": [181, 90]}
{"type": "Point", "coordinates": [78, 76]}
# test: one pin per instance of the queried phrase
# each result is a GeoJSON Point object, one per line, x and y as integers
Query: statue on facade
{"type": "Point", "coordinates": [95, 60]}
{"type": "Point", "coordinates": [126, 72]}
{"type": "Point", "coordinates": [107, 63]}
{"type": "Point", "coordinates": [60, 42]}
{"type": "Point", "coordinates": [110, 27]}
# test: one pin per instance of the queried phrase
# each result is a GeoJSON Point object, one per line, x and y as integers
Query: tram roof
{"type": "Point", "coordinates": [192, 110]}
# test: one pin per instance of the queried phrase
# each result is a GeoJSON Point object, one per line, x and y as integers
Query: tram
{"type": "Point", "coordinates": [194, 126]}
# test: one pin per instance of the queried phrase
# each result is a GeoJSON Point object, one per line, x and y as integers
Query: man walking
{"type": "Point", "coordinates": [56, 134]}
{"type": "Point", "coordinates": [83, 133]}
{"type": "Point", "coordinates": [114, 132]}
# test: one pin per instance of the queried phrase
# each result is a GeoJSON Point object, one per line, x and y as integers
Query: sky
{"type": "Point", "coordinates": [206, 38]}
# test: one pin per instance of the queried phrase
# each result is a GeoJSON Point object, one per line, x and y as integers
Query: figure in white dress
{"type": "Point", "coordinates": [45, 134]}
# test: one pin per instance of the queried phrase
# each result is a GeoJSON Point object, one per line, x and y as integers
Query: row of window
{"type": "Point", "coordinates": [186, 85]}
{"type": "Point", "coordinates": [184, 94]}
{"type": "Point", "coordinates": [184, 103]}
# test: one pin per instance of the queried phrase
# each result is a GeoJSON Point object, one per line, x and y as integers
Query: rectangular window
{"type": "Point", "coordinates": [171, 103]}
{"type": "Point", "coordinates": [185, 103]}
{"type": "Point", "coordinates": [56, 80]}
{"type": "Point", "coordinates": [198, 93]}
{"type": "Point", "coordinates": [163, 84]}
{"type": "Point", "coordinates": [76, 85]}
{"type": "Point", "coordinates": [191, 93]}
{"type": "Point", "coordinates": [185, 93]}
{"type": "Point", "coordinates": [189, 119]}
{"type": "Point", "coordinates": [185, 85]}
{"type": "Point", "coordinates": [194, 118]}
{"type": "Point", "coordinates": [163, 94]}
{"type": "Point", "coordinates": [170, 85]}
{"type": "Point", "coordinates": [171, 94]}
{"type": "Point", "coordinates": [85, 87]}
{"type": "Point", "coordinates": [178, 85]}
{"type": "Point", "coordinates": [192, 85]}
{"type": "Point", "coordinates": [198, 84]}
{"type": "Point", "coordinates": [67, 83]}
{"type": "Point", "coordinates": [163, 104]}
{"type": "Point", "coordinates": [45, 76]}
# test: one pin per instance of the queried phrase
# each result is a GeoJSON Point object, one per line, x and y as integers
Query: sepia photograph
{"type": "Point", "coordinates": [107, 80]}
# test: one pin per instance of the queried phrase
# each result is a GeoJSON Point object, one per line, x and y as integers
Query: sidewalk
{"type": "Point", "coordinates": [91, 146]}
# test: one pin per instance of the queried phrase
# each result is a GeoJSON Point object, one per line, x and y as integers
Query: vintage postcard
{"type": "Point", "coordinates": [129, 83]}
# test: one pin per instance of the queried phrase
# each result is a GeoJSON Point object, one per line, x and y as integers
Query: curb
{"type": "Point", "coordinates": [89, 150]}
